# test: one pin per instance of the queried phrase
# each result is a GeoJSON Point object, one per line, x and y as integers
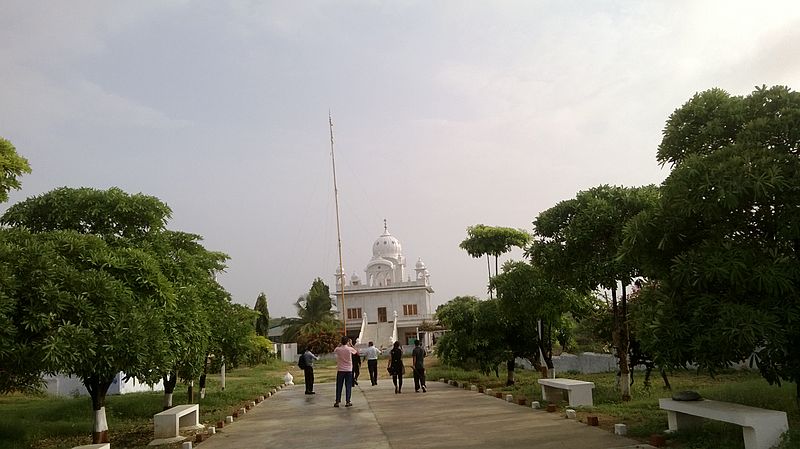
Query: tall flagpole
{"type": "Point", "coordinates": [338, 228]}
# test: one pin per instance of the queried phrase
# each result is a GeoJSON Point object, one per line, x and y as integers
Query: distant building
{"type": "Point", "coordinates": [388, 304]}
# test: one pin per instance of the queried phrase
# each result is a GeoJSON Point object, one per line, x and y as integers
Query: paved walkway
{"type": "Point", "coordinates": [444, 417]}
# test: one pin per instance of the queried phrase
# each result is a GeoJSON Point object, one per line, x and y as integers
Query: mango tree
{"type": "Point", "coordinates": [81, 307]}
{"type": "Point", "coordinates": [722, 245]}
{"type": "Point", "coordinates": [577, 242]}
{"type": "Point", "coordinates": [102, 293]}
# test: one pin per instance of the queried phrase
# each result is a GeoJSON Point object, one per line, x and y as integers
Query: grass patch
{"type": "Point", "coordinates": [48, 422]}
{"type": "Point", "coordinates": [642, 414]}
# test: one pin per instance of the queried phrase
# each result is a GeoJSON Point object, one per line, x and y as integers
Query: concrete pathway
{"type": "Point", "coordinates": [444, 417]}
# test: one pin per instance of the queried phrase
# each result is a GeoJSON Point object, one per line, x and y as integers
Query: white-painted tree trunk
{"type": "Point", "coordinates": [100, 429]}
{"type": "Point", "coordinates": [167, 400]}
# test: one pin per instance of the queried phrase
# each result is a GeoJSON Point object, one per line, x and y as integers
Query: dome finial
{"type": "Point", "coordinates": [385, 226]}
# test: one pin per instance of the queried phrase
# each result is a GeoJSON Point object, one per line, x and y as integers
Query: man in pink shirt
{"type": "Point", "coordinates": [344, 370]}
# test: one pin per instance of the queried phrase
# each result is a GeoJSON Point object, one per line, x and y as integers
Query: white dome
{"type": "Point", "coordinates": [420, 264]}
{"type": "Point", "coordinates": [387, 247]}
{"type": "Point", "coordinates": [354, 278]}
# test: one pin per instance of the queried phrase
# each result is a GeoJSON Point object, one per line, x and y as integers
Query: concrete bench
{"type": "Point", "coordinates": [169, 423]}
{"type": "Point", "coordinates": [579, 392]}
{"type": "Point", "coordinates": [94, 446]}
{"type": "Point", "coordinates": [762, 429]}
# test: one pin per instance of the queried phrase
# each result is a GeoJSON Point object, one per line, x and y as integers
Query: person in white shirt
{"type": "Point", "coordinates": [371, 353]}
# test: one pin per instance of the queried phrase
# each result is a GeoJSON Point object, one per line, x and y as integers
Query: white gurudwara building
{"type": "Point", "coordinates": [388, 304]}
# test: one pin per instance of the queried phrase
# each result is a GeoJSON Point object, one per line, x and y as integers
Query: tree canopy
{"type": "Point", "coordinates": [315, 314]}
{"type": "Point", "coordinates": [262, 320]}
{"type": "Point", "coordinates": [578, 241]}
{"type": "Point", "coordinates": [93, 285]}
{"type": "Point", "coordinates": [12, 166]}
{"type": "Point", "coordinates": [494, 241]}
{"type": "Point", "coordinates": [721, 245]}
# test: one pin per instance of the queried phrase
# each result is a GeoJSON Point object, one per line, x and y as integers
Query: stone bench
{"type": "Point", "coordinates": [169, 423]}
{"type": "Point", "coordinates": [762, 429]}
{"type": "Point", "coordinates": [94, 446]}
{"type": "Point", "coordinates": [579, 392]}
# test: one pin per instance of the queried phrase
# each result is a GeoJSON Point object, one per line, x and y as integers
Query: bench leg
{"type": "Point", "coordinates": [551, 394]}
{"type": "Point", "coordinates": [580, 396]}
{"type": "Point", "coordinates": [189, 420]}
{"type": "Point", "coordinates": [165, 426]}
{"type": "Point", "coordinates": [764, 437]}
{"type": "Point", "coordinates": [681, 421]}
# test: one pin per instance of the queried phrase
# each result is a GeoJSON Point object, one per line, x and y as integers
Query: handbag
{"type": "Point", "coordinates": [389, 369]}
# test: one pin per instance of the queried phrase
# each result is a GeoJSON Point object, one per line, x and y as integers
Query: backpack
{"type": "Point", "coordinates": [302, 362]}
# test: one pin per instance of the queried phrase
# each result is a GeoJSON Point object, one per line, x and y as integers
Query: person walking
{"type": "Point", "coordinates": [356, 367]}
{"type": "Point", "coordinates": [344, 370]}
{"type": "Point", "coordinates": [371, 353]}
{"type": "Point", "coordinates": [308, 369]}
{"type": "Point", "coordinates": [418, 366]}
{"type": "Point", "coordinates": [396, 368]}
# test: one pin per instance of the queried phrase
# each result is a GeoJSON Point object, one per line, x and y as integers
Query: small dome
{"type": "Point", "coordinates": [387, 247]}
{"type": "Point", "coordinates": [354, 278]}
{"type": "Point", "coordinates": [420, 264]}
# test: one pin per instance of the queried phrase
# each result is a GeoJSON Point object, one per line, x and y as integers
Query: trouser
{"type": "Point", "coordinates": [356, 372]}
{"type": "Point", "coordinates": [344, 378]}
{"type": "Point", "coordinates": [419, 378]}
{"type": "Point", "coordinates": [308, 373]}
{"type": "Point", "coordinates": [397, 380]}
{"type": "Point", "coordinates": [372, 366]}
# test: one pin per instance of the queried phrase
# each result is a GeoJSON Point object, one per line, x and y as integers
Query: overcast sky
{"type": "Point", "coordinates": [446, 114]}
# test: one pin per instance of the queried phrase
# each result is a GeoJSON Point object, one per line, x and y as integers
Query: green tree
{"type": "Point", "coordinates": [722, 244]}
{"type": "Point", "coordinates": [172, 300]}
{"type": "Point", "coordinates": [577, 242]}
{"type": "Point", "coordinates": [262, 321]}
{"type": "Point", "coordinates": [12, 166]}
{"type": "Point", "coordinates": [191, 269]}
{"type": "Point", "coordinates": [314, 313]}
{"type": "Point", "coordinates": [474, 337]}
{"type": "Point", "coordinates": [492, 241]}
{"type": "Point", "coordinates": [533, 308]}
{"type": "Point", "coordinates": [79, 306]}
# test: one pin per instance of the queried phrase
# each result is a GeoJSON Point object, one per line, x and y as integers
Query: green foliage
{"type": "Point", "coordinates": [722, 243]}
{"type": "Point", "coordinates": [577, 241]}
{"type": "Point", "coordinates": [262, 320]}
{"type": "Point", "coordinates": [321, 339]}
{"type": "Point", "coordinates": [78, 305]}
{"type": "Point", "coordinates": [474, 339]}
{"type": "Point", "coordinates": [106, 213]}
{"type": "Point", "coordinates": [260, 350]}
{"type": "Point", "coordinates": [12, 166]}
{"type": "Point", "coordinates": [492, 240]}
{"type": "Point", "coordinates": [527, 295]}
{"type": "Point", "coordinates": [314, 313]}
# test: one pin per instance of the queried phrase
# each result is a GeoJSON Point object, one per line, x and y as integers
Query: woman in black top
{"type": "Point", "coordinates": [396, 368]}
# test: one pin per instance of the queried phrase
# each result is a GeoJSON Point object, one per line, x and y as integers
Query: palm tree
{"type": "Point", "coordinates": [314, 313]}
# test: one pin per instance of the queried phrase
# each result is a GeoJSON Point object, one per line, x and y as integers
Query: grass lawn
{"type": "Point", "coordinates": [47, 422]}
{"type": "Point", "coordinates": [642, 415]}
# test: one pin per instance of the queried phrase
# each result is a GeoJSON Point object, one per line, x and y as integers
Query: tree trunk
{"type": "Point", "coordinates": [97, 389]}
{"type": "Point", "coordinates": [546, 349]}
{"type": "Point", "coordinates": [510, 366]}
{"type": "Point", "coordinates": [170, 379]}
{"type": "Point", "coordinates": [666, 381]}
{"type": "Point", "coordinates": [203, 378]}
{"type": "Point", "coordinates": [624, 367]}
{"type": "Point", "coordinates": [489, 267]}
{"type": "Point", "coordinates": [622, 356]}
{"type": "Point", "coordinates": [190, 392]}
